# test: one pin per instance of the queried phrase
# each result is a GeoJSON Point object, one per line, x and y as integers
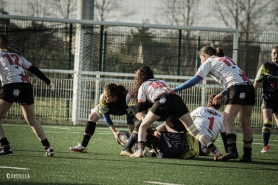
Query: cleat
{"type": "Point", "coordinates": [231, 154]}
{"type": "Point", "coordinates": [138, 154]}
{"type": "Point", "coordinates": [49, 152]}
{"type": "Point", "coordinates": [126, 152]}
{"type": "Point", "coordinates": [6, 152]}
{"type": "Point", "coordinates": [245, 159]}
{"type": "Point", "coordinates": [79, 148]}
{"type": "Point", "coordinates": [265, 149]}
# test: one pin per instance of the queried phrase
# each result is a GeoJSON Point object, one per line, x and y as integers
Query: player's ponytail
{"type": "Point", "coordinates": [219, 52]}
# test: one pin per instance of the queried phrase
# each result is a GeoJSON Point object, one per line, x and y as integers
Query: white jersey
{"type": "Point", "coordinates": [223, 70]}
{"type": "Point", "coordinates": [151, 89]}
{"type": "Point", "coordinates": [208, 121]}
{"type": "Point", "coordinates": [12, 68]}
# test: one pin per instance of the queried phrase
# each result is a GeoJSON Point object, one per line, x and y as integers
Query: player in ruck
{"type": "Point", "coordinates": [165, 104]}
{"type": "Point", "coordinates": [16, 87]}
{"type": "Point", "coordinates": [240, 98]}
{"type": "Point", "coordinates": [208, 120]}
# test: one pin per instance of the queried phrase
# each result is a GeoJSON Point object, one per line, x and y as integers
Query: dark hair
{"type": "Point", "coordinates": [152, 141]}
{"type": "Point", "coordinates": [211, 104]}
{"type": "Point", "coordinates": [207, 50]}
{"type": "Point", "coordinates": [4, 44]}
{"type": "Point", "coordinates": [142, 74]}
{"type": "Point", "coordinates": [219, 52]}
{"type": "Point", "coordinates": [115, 90]}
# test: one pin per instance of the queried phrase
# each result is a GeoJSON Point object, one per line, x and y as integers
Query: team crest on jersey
{"type": "Point", "coordinates": [242, 95]}
{"type": "Point", "coordinates": [162, 100]}
{"type": "Point", "coordinates": [16, 92]}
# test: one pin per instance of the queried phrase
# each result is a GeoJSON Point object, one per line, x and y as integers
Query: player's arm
{"type": "Point", "coordinates": [109, 123]}
{"type": "Point", "coordinates": [259, 77]}
{"type": "Point", "coordinates": [189, 83]}
{"type": "Point", "coordinates": [41, 76]}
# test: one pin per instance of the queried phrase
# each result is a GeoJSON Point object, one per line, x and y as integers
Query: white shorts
{"type": "Point", "coordinates": [96, 110]}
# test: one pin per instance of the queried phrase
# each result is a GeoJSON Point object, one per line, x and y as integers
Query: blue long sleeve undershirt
{"type": "Point", "coordinates": [107, 119]}
{"type": "Point", "coordinates": [189, 83]}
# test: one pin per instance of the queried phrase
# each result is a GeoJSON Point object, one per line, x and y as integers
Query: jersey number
{"type": "Point", "coordinates": [9, 58]}
{"type": "Point", "coordinates": [228, 62]}
{"type": "Point", "coordinates": [211, 121]}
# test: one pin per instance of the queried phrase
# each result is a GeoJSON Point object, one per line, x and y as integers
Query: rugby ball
{"type": "Point", "coordinates": [123, 137]}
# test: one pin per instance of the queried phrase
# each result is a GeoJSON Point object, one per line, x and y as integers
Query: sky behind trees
{"type": "Point", "coordinates": [246, 15]}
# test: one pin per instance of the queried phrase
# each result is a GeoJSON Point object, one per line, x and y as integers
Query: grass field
{"type": "Point", "coordinates": [103, 164]}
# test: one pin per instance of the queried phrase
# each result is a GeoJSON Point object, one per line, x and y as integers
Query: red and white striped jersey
{"type": "Point", "coordinates": [223, 70]}
{"type": "Point", "coordinates": [12, 68]}
{"type": "Point", "coordinates": [208, 121]}
{"type": "Point", "coordinates": [151, 89]}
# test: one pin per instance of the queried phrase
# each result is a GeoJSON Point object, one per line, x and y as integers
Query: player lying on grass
{"type": "Point", "coordinates": [112, 102]}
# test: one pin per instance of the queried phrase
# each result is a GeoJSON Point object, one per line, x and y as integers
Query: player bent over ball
{"type": "Point", "coordinates": [112, 102]}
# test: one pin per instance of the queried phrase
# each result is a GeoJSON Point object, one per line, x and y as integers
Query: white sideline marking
{"type": "Point", "coordinates": [153, 182]}
{"type": "Point", "coordinates": [16, 168]}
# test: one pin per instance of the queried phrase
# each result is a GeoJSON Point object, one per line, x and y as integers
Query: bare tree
{"type": "Point", "coordinates": [65, 8]}
{"type": "Point", "coordinates": [179, 12]}
{"type": "Point", "coordinates": [275, 13]}
{"type": "Point", "coordinates": [104, 9]}
{"type": "Point", "coordinates": [242, 14]}
{"type": "Point", "coordinates": [38, 8]}
{"type": "Point", "coordinates": [3, 4]}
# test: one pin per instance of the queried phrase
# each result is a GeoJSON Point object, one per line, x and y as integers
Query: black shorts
{"type": "Point", "coordinates": [21, 93]}
{"type": "Point", "coordinates": [241, 94]}
{"type": "Point", "coordinates": [168, 105]}
{"type": "Point", "coordinates": [269, 104]}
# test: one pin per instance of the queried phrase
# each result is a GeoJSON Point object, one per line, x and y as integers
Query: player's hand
{"type": "Point", "coordinates": [216, 154]}
{"type": "Point", "coordinates": [157, 134]}
{"type": "Point", "coordinates": [50, 86]}
{"type": "Point", "coordinates": [217, 98]}
{"type": "Point", "coordinates": [116, 135]}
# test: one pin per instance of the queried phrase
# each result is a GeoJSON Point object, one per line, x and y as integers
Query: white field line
{"type": "Point", "coordinates": [16, 168]}
{"type": "Point", "coordinates": [153, 182]}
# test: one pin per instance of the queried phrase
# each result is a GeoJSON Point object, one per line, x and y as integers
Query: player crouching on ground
{"type": "Point", "coordinates": [112, 102]}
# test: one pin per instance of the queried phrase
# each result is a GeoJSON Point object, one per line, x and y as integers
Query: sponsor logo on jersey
{"type": "Point", "coordinates": [212, 112]}
{"type": "Point", "coordinates": [162, 100]}
{"type": "Point", "coordinates": [16, 92]}
{"type": "Point", "coordinates": [242, 95]}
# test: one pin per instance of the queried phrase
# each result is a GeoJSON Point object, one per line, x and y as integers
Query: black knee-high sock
{"type": "Point", "coordinates": [89, 131]}
{"type": "Point", "coordinates": [131, 141]}
{"type": "Point", "coordinates": [247, 151]}
{"type": "Point", "coordinates": [231, 140]}
{"type": "Point", "coordinates": [266, 136]}
{"type": "Point", "coordinates": [45, 144]}
{"type": "Point", "coordinates": [5, 143]}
